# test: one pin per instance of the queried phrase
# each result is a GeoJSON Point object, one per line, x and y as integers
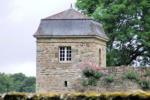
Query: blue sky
{"type": "Point", "coordinates": [19, 19]}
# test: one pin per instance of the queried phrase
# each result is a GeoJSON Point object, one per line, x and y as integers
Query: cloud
{"type": "Point", "coordinates": [6, 7]}
{"type": "Point", "coordinates": [28, 68]}
{"type": "Point", "coordinates": [19, 21]}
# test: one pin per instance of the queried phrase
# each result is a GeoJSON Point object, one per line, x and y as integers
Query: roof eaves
{"type": "Point", "coordinates": [71, 36]}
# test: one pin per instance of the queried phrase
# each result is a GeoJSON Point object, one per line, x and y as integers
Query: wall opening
{"type": "Point", "coordinates": [65, 83]}
{"type": "Point", "coordinates": [99, 57]}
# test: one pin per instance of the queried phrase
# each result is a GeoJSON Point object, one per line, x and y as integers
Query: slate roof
{"type": "Point", "coordinates": [70, 23]}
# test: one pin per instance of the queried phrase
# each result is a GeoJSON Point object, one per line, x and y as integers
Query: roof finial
{"type": "Point", "coordinates": [71, 6]}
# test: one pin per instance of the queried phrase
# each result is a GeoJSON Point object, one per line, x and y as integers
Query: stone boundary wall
{"type": "Point", "coordinates": [119, 83]}
{"type": "Point", "coordinates": [136, 95]}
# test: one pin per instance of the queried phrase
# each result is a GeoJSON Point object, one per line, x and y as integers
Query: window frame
{"type": "Point", "coordinates": [66, 58]}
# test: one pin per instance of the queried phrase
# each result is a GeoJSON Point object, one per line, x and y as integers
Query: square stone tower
{"type": "Point", "coordinates": [64, 41]}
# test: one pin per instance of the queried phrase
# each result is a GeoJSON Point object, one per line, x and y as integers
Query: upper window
{"type": "Point", "coordinates": [64, 53]}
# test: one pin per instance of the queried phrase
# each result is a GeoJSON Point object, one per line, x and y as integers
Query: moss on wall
{"type": "Point", "coordinates": [138, 95]}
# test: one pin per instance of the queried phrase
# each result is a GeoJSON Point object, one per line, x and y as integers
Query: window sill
{"type": "Point", "coordinates": [65, 61]}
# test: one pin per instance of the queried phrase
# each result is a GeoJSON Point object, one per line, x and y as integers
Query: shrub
{"type": "Point", "coordinates": [84, 83]}
{"type": "Point", "coordinates": [91, 72]}
{"type": "Point", "coordinates": [147, 73]}
{"type": "Point", "coordinates": [130, 74]}
{"type": "Point", "coordinates": [97, 75]}
{"type": "Point", "coordinates": [92, 81]}
{"type": "Point", "coordinates": [88, 72]}
{"type": "Point", "coordinates": [144, 84]}
{"type": "Point", "coordinates": [109, 79]}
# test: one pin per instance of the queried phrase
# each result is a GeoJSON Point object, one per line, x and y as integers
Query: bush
{"type": "Point", "coordinates": [109, 79]}
{"type": "Point", "coordinates": [88, 73]}
{"type": "Point", "coordinates": [130, 74]}
{"type": "Point", "coordinates": [91, 72]}
{"type": "Point", "coordinates": [97, 75]}
{"type": "Point", "coordinates": [147, 73]}
{"type": "Point", "coordinates": [92, 81]}
{"type": "Point", "coordinates": [84, 83]}
{"type": "Point", "coordinates": [144, 84]}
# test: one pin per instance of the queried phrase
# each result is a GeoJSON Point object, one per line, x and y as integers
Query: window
{"type": "Point", "coordinates": [99, 57]}
{"type": "Point", "coordinates": [65, 54]}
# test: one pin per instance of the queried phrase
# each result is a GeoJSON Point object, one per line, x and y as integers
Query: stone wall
{"type": "Point", "coordinates": [119, 83]}
{"type": "Point", "coordinates": [136, 95]}
{"type": "Point", "coordinates": [52, 74]}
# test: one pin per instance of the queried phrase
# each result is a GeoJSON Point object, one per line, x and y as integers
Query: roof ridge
{"type": "Point", "coordinates": [68, 14]}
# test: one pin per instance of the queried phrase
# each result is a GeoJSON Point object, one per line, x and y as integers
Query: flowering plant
{"type": "Point", "coordinates": [91, 72]}
{"type": "Point", "coordinates": [144, 83]}
{"type": "Point", "coordinates": [130, 73]}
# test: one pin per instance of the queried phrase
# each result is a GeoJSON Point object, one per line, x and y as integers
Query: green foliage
{"type": "Point", "coordinates": [5, 83]}
{"type": "Point", "coordinates": [92, 77]}
{"type": "Point", "coordinates": [109, 78]}
{"type": "Point", "coordinates": [144, 84]}
{"type": "Point", "coordinates": [92, 81]}
{"type": "Point", "coordinates": [88, 72]}
{"type": "Point", "coordinates": [127, 24]}
{"type": "Point", "coordinates": [130, 74]}
{"type": "Point", "coordinates": [147, 73]}
{"type": "Point", "coordinates": [84, 82]}
{"type": "Point", "coordinates": [97, 75]}
{"type": "Point", "coordinates": [16, 82]}
{"type": "Point", "coordinates": [91, 73]}
{"type": "Point", "coordinates": [28, 85]}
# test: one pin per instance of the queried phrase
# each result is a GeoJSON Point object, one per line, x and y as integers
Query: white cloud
{"type": "Point", "coordinates": [19, 21]}
{"type": "Point", "coordinates": [28, 68]}
{"type": "Point", "coordinates": [38, 8]}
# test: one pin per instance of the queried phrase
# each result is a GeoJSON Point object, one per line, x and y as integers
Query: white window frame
{"type": "Point", "coordinates": [65, 54]}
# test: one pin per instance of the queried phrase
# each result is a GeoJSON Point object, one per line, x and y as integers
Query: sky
{"type": "Point", "coordinates": [19, 20]}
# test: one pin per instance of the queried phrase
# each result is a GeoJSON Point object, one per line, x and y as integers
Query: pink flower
{"type": "Point", "coordinates": [141, 78]}
{"type": "Point", "coordinates": [96, 68]}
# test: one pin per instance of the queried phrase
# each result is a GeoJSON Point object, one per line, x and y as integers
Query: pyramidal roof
{"type": "Point", "coordinates": [70, 23]}
{"type": "Point", "coordinates": [68, 14]}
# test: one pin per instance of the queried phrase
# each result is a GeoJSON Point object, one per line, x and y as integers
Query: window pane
{"type": "Point", "coordinates": [65, 53]}
{"type": "Point", "coordinates": [68, 53]}
{"type": "Point", "coordinates": [61, 53]}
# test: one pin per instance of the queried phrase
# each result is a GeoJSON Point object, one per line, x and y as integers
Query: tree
{"type": "Point", "coordinates": [16, 82]}
{"type": "Point", "coordinates": [29, 85]}
{"type": "Point", "coordinates": [5, 83]}
{"type": "Point", "coordinates": [127, 24]}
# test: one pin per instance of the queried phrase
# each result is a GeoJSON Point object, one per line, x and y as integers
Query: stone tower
{"type": "Point", "coordinates": [64, 41]}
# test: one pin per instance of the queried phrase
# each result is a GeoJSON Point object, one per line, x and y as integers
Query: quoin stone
{"type": "Point", "coordinates": [64, 41]}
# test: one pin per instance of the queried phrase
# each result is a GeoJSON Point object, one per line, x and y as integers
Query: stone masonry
{"type": "Point", "coordinates": [51, 74]}
{"type": "Point", "coordinates": [86, 41]}
{"type": "Point", "coordinates": [68, 29]}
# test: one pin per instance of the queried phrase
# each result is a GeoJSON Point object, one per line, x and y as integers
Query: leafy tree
{"type": "Point", "coordinates": [16, 82]}
{"type": "Point", "coordinates": [29, 85]}
{"type": "Point", "coordinates": [127, 24]}
{"type": "Point", "coordinates": [5, 83]}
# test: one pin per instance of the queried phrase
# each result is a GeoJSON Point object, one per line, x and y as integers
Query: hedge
{"type": "Point", "coordinates": [138, 95]}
